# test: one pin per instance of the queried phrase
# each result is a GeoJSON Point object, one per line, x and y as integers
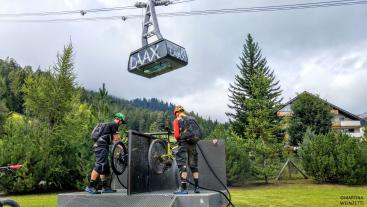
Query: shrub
{"type": "Point", "coordinates": [335, 158]}
{"type": "Point", "coordinates": [237, 161]}
{"type": "Point", "coordinates": [57, 159]}
{"type": "Point", "coordinates": [238, 166]}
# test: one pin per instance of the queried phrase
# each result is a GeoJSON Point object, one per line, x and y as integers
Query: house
{"type": "Point", "coordinates": [342, 119]}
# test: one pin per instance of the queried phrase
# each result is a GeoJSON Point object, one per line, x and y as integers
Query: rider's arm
{"type": "Point", "coordinates": [116, 138]}
{"type": "Point", "coordinates": [176, 129]}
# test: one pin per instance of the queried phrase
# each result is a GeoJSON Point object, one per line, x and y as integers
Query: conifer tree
{"type": "Point", "coordinates": [261, 131]}
{"type": "Point", "coordinates": [101, 104]}
{"type": "Point", "coordinates": [251, 63]}
{"type": "Point", "coordinates": [48, 96]}
{"type": "Point", "coordinates": [255, 97]}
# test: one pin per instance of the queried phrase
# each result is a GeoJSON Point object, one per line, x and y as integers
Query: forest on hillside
{"type": "Point", "coordinates": [143, 114]}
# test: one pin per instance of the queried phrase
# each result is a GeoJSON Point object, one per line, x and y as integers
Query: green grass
{"type": "Point", "coordinates": [42, 200]}
{"type": "Point", "coordinates": [294, 194]}
{"type": "Point", "coordinates": [300, 195]}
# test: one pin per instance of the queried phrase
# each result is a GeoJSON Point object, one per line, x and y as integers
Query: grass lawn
{"type": "Point", "coordinates": [284, 195]}
{"type": "Point", "coordinates": [297, 194]}
{"type": "Point", "coordinates": [41, 200]}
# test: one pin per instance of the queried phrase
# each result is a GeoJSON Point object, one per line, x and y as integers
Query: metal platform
{"type": "Point", "coordinates": [146, 189]}
{"type": "Point", "coordinates": [156, 199]}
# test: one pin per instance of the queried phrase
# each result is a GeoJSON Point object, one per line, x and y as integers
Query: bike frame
{"type": "Point", "coordinates": [169, 154]}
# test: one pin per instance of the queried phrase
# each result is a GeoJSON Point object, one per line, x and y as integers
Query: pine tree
{"type": "Point", "coordinates": [261, 131]}
{"type": "Point", "coordinates": [101, 104]}
{"type": "Point", "coordinates": [48, 96]}
{"type": "Point", "coordinates": [255, 98]}
{"type": "Point", "coordinates": [242, 89]}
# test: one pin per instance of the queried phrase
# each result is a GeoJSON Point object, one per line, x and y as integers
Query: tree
{"type": "Point", "coordinates": [255, 97]}
{"type": "Point", "coordinates": [101, 103]}
{"type": "Point", "coordinates": [48, 96]}
{"type": "Point", "coordinates": [261, 140]}
{"type": "Point", "coordinates": [3, 108]}
{"type": "Point", "coordinates": [59, 125]}
{"type": "Point", "coordinates": [15, 96]}
{"type": "Point", "coordinates": [308, 111]}
{"type": "Point", "coordinates": [251, 63]}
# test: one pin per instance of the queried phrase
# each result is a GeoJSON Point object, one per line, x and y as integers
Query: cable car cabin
{"type": "Point", "coordinates": [157, 58]}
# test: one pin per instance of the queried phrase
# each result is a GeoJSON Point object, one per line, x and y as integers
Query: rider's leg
{"type": "Point", "coordinates": [93, 182]}
{"type": "Point", "coordinates": [183, 184]}
{"type": "Point", "coordinates": [196, 181]}
{"type": "Point", "coordinates": [100, 166]}
{"type": "Point", "coordinates": [181, 159]}
{"type": "Point", "coordinates": [104, 180]}
{"type": "Point", "coordinates": [106, 185]}
{"type": "Point", "coordinates": [193, 163]}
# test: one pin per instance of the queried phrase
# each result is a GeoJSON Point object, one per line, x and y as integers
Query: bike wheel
{"type": "Point", "coordinates": [156, 163]}
{"type": "Point", "coordinates": [119, 158]}
{"type": "Point", "coordinates": [8, 202]}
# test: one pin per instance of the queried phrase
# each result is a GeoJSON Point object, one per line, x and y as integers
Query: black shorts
{"type": "Point", "coordinates": [187, 155]}
{"type": "Point", "coordinates": [101, 165]}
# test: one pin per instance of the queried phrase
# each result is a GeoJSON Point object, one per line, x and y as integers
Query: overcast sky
{"type": "Point", "coordinates": [323, 51]}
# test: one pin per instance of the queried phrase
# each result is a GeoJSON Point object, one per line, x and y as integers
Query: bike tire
{"type": "Point", "coordinates": [8, 202]}
{"type": "Point", "coordinates": [119, 158]}
{"type": "Point", "coordinates": [156, 149]}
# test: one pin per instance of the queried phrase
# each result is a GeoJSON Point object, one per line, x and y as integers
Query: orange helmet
{"type": "Point", "coordinates": [178, 108]}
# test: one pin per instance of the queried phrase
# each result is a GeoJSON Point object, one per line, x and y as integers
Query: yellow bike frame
{"type": "Point", "coordinates": [169, 154]}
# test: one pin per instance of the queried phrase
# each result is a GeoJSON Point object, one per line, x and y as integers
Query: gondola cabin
{"type": "Point", "coordinates": [157, 58]}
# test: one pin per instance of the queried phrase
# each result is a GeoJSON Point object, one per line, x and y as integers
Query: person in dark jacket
{"type": "Point", "coordinates": [187, 153]}
{"type": "Point", "coordinates": [109, 136]}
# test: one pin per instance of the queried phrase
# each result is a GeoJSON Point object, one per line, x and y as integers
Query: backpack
{"type": "Point", "coordinates": [190, 131]}
{"type": "Point", "coordinates": [98, 131]}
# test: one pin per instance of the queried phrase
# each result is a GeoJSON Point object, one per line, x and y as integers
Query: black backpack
{"type": "Point", "coordinates": [190, 131]}
{"type": "Point", "coordinates": [98, 131]}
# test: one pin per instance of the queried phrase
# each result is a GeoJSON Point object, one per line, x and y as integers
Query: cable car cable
{"type": "Point", "coordinates": [67, 12]}
{"type": "Point", "coordinates": [80, 11]}
{"type": "Point", "coordinates": [204, 12]}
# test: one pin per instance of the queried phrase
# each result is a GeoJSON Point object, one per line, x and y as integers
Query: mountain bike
{"type": "Point", "coordinates": [4, 171]}
{"type": "Point", "coordinates": [119, 157]}
{"type": "Point", "coordinates": [161, 153]}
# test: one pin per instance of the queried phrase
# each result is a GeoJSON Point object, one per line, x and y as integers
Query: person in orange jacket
{"type": "Point", "coordinates": [187, 152]}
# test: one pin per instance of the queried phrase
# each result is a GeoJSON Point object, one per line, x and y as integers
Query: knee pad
{"type": "Point", "coordinates": [183, 168]}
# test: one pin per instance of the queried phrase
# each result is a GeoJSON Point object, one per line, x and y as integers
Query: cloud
{"type": "Point", "coordinates": [72, 4]}
{"type": "Point", "coordinates": [321, 50]}
{"type": "Point", "coordinates": [336, 75]}
{"type": "Point", "coordinates": [210, 102]}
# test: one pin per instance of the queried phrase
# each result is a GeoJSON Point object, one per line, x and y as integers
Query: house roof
{"type": "Point", "coordinates": [363, 121]}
